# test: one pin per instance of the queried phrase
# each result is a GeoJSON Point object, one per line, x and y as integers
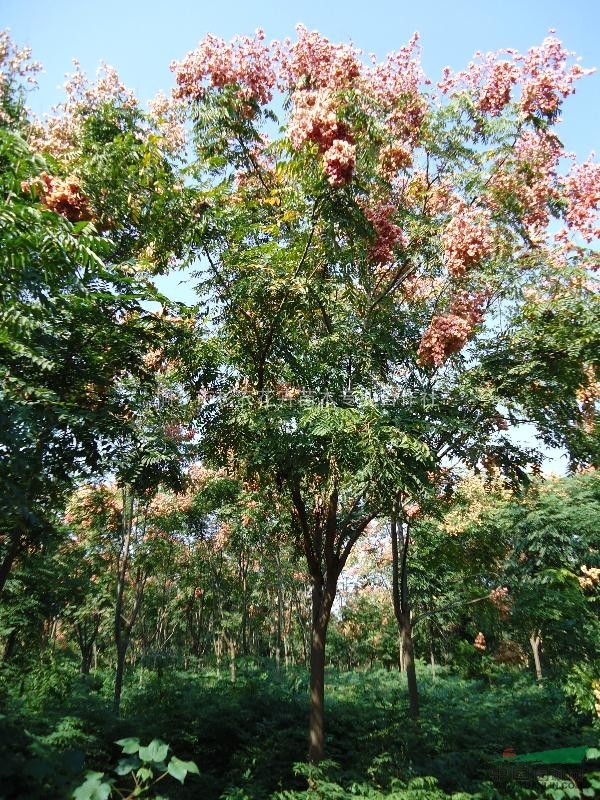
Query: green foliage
{"type": "Point", "coordinates": [248, 735]}
{"type": "Point", "coordinates": [299, 381]}
{"type": "Point", "coordinates": [146, 766]}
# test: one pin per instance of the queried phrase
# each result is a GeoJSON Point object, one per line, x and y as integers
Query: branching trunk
{"type": "Point", "coordinates": [535, 641]}
{"type": "Point", "coordinates": [327, 544]}
{"type": "Point", "coordinates": [87, 633]}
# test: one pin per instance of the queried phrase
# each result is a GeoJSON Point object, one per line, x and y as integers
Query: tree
{"type": "Point", "coordinates": [74, 316]}
{"type": "Point", "coordinates": [553, 536]}
{"type": "Point", "coordinates": [359, 254]}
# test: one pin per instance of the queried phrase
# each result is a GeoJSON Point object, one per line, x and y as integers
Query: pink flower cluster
{"type": "Point", "coordinates": [244, 62]}
{"type": "Point", "coordinates": [545, 75]}
{"type": "Point", "coordinates": [467, 240]}
{"type": "Point", "coordinates": [393, 158]}
{"type": "Point", "coordinates": [314, 119]}
{"type": "Point", "coordinates": [582, 189]}
{"type": "Point", "coordinates": [418, 288]}
{"type": "Point", "coordinates": [59, 134]}
{"type": "Point", "coordinates": [530, 177]}
{"type": "Point", "coordinates": [313, 62]}
{"type": "Point", "coordinates": [495, 93]}
{"type": "Point", "coordinates": [61, 195]}
{"type": "Point", "coordinates": [588, 395]}
{"type": "Point", "coordinates": [499, 598]}
{"type": "Point", "coordinates": [15, 62]}
{"type": "Point", "coordinates": [388, 235]}
{"type": "Point", "coordinates": [412, 511]}
{"type": "Point", "coordinates": [339, 161]}
{"type": "Point", "coordinates": [548, 77]}
{"type": "Point", "coordinates": [449, 333]}
{"type": "Point", "coordinates": [178, 432]}
{"type": "Point", "coordinates": [433, 197]}
{"type": "Point", "coordinates": [16, 67]}
{"type": "Point", "coordinates": [169, 118]}
{"type": "Point", "coordinates": [489, 78]}
{"type": "Point", "coordinates": [395, 84]}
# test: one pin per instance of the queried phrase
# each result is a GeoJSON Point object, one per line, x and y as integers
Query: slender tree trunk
{"type": "Point", "coordinates": [121, 653]}
{"type": "Point", "coordinates": [14, 545]}
{"type": "Point", "coordinates": [86, 660]}
{"type": "Point", "coordinates": [123, 627]}
{"type": "Point", "coordinates": [9, 647]}
{"type": "Point", "coordinates": [400, 598]}
{"type": "Point", "coordinates": [218, 645]}
{"type": "Point", "coordinates": [409, 665]}
{"type": "Point", "coordinates": [278, 646]}
{"type": "Point", "coordinates": [321, 609]}
{"type": "Point", "coordinates": [535, 640]}
{"type": "Point", "coordinates": [326, 547]}
{"type": "Point", "coordinates": [244, 611]}
{"type": "Point", "coordinates": [232, 675]}
{"type": "Point", "coordinates": [87, 641]}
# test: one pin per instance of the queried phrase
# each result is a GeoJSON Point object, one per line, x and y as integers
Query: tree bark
{"type": "Point", "coordinates": [400, 598]}
{"type": "Point", "coordinates": [14, 545]}
{"type": "Point", "coordinates": [321, 610]}
{"type": "Point", "coordinates": [279, 635]}
{"type": "Point", "coordinates": [86, 659]}
{"type": "Point", "coordinates": [9, 647]}
{"type": "Point", "coordinates": [535, 640]}
{"type": "Point", "coordinates": [409, 665]}
{"type": "Point", "coordinates": [327, 545]}
{"type": "Point", "coordinates": [122, 646]}
{"type": "Point", "coordinates": [123, 627]}
{"type": "Point", "coordinates": [87, 640]}
{"type": "Point", "coordinates": [232, 672]}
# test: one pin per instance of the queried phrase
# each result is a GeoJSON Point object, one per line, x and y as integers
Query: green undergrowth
{"type": "Point", "coordinates": [247, 738]}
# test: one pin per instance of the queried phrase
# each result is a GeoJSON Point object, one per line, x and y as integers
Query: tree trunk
{"type": "Point", "coordinates": [123, 627]}
{"type": "Point", "coordinates": [87, 640]}
{"type": "Point", "coordinates": [278, 645]}
{"type": "Point", "coordinates": [9, 647]}
{"type": "Point", "coordinates": [535, 640]}
{"type": "Point", "coordinates": [317, 697]}
{"type": "Point", "coordinates": [244, 612]}
{"type": "Point", "coordinates": [326, 547]}
{"type": "Point", "coordinates": [121, 653]}
{"type": "Point", "coordinates": [218, 645]}
{"type": "Point", "coordinates": [400, 598]}
{"type": "Point", "coordinates": [320, 616]}
{"type": "Point", "coordinates": [232, 675]}
{"type": "Point", "coordinates": [409, 665]}
{"type": "Point", "coordinates": [86, 660]}
{"type": "Point", "coordinates": [14, 545]}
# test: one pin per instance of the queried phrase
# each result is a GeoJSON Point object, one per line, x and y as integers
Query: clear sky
{"type": "Point", "coordinates": [140, 38]}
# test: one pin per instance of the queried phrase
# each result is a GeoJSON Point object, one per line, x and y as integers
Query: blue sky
{"type": "Point", "coordinates": [140, 39]}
